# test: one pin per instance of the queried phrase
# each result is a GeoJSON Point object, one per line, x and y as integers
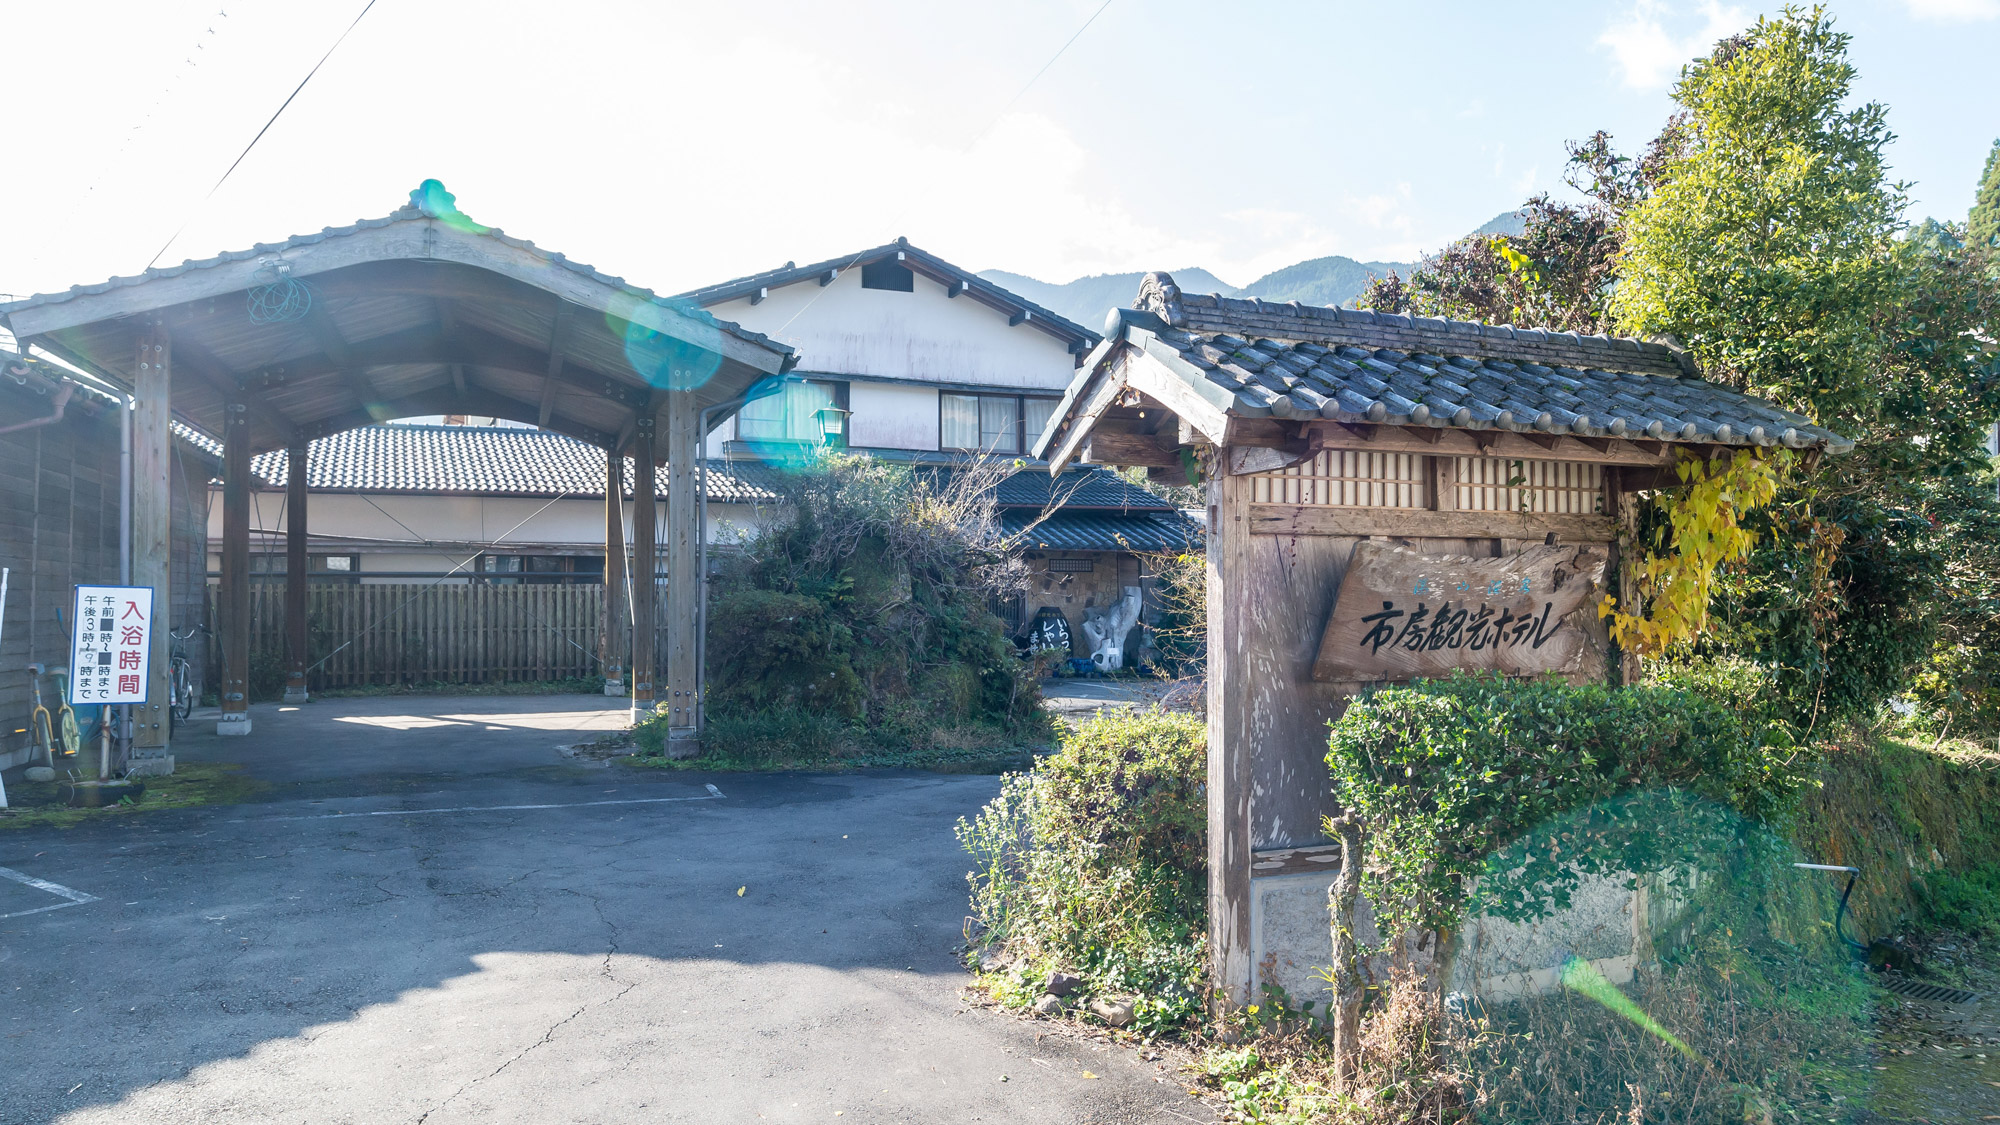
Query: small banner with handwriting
{"type": "Point", "coordinates": [1401, 615]}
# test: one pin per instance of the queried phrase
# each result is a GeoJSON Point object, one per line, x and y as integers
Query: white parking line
{"type": "Point", "coordinates": [714, 794]}
{"type": "Point", "coordinates": [76, 898]}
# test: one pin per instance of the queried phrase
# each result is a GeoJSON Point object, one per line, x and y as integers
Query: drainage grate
{"type": "Point", "coordinates": [1918, 990]}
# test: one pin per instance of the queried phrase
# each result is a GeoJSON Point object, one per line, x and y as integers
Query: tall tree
{"type": "Point", "coordinates": [1984, 225]}
{"type": "Point", "coordinates": [1764, 244]}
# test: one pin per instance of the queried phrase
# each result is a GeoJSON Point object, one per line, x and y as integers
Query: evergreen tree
{"type": "Point", "coordinates": [1984, 226]}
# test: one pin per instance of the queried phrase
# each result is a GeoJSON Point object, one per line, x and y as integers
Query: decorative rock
{"type": "Point", "coordinates": [1116, 1011]}
{"type": "Point", "coordinates": [41, 773]}
{"type": "Point", "coordinates": [1048, 1006]}
{"type": "Point", "coordinates": [1061, 983]}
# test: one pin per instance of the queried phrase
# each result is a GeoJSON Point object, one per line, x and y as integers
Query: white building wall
{"type": "Point", "coordinates": [380, 529]}
{"type": "Point", "coordinates": [843, 329]}
{"type": "Point", "coordinates": [892, 415]}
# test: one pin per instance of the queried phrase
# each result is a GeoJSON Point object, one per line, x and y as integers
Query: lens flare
{"type": "Point", "coordinates": [1581, 977]}
{"type": "Point", "coordinates": [682, 359]}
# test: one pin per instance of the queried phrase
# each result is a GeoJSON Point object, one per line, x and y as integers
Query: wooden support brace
{"type": "Point", "coordinates": [682, 701]}
{"type": "Point", "coordinates": [297, 464]}
{"type": "Point", "coordinates": [152, 543]}
{"type": "Point", "coordinates": [645, 568]}
{"type": "Point", "coordinates": [235, 600]}
{"type": "Point", "coordinates": [611, 641]}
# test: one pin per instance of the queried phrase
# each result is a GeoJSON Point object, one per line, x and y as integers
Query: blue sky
{"type": "Point", "coordinates": [679, 144]}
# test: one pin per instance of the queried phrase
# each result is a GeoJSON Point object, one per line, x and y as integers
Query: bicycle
{"type": "Point", "coordinates": [180, 676]}
{"type": "Point", "coordinates": [43, 725]}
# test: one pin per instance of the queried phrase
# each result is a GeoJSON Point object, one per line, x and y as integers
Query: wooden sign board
{"type": "Point", "coordinates": [1401, 615]}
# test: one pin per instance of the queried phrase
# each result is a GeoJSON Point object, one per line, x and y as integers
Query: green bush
{"type": "Point", "coordinates": [1094, 863]}
{"type": "Point", "coordinates": [1968, 902]}
{"type": "Point", "coordinates": [1445, 773]}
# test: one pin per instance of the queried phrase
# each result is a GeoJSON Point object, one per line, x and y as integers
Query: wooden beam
{"type": "Point", "coordinates": [684, 578]}
{"type": "Point", "coordinates": [447, 318]}
{"type": "Point", "coordinates": [614, 632]}
{"type": "Point", "coordinates": [297, 466]}
{"type": "Point", "coordinates": [1232, 743]}
{"type": "Point", "coordinates": [759, 295]}
{"type": "Point", "coordinates": [152, 532]}
{"type": "Point", "coordinates": [553, 370]}
{"type": "Point", "coordinates": [1418, 523]}
{"type": "Point", "coordinates": [1267, 432]}
{"type": "Point", "coordinates": [327, 334]}
{"type": "Point", "coordinates": [191, 357]}
{"type": "Point", "coordinates": [826, 278]}
{"type": "Point", "coordinates": [957, 288]}
{"type": "Point", "coordinates": [470, 347]}
{"type": "Point", "coordinates": [1483, 443]}
{"type": "Point", "coordinates": [234, 600]}
{"type": "Point", "coordinates": [645, 568]}
{"type": "Point", "coordinates": [1129, 449]}
{"type": "Point", "coordinates": [1019, 318]}
{"type": "Point", "coordinates": [1110, 386]}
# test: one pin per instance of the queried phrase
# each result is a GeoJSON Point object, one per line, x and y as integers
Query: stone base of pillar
{"type": "Point", "coordinates": [161, 766]}
{"type": "Point", "coordinates": [614, 687]}
{"type": "Point", "coordinates": [229, 725]}
{"type": "Point", "coordinates": [297, 695]}
{"type": "Point", "coordinates": [682, 745]}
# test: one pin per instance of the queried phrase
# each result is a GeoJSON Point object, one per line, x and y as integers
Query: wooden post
{"type": "Point", "coordinates": [235, 571]}
{"type": "Point", "coordinates": [297, 456]}
{"type": "Point", "coordinates": [152, 537]}
{"type": "Point", "coordinates": [1230, 739]}
{"type": "Point", "coordinates": [645, 584]}
{"type": "Point", "coordinates": [612, 629]}
{"type": "Point", "coordinates": [683, 577]}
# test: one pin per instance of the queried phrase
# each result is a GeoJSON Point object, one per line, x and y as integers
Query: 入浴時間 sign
{"type": "Point", "coordinates": [113, 635]}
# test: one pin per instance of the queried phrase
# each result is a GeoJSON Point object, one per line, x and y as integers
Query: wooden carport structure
{"type": "Point", "coordinates": [421, 312]}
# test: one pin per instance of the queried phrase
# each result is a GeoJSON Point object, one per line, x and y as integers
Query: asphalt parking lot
{"type": "Point", "coordinates": [433, 916]}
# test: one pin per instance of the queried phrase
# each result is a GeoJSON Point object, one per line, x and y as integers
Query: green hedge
{"type": "Point", "coordinates": [1446, 773]}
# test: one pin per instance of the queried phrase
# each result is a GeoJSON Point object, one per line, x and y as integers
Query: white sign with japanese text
{"type": "Point", "coordinates": [113, 634]}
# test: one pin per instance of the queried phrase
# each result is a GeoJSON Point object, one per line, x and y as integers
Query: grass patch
{"type": "Point", "coordinates": [40, 804]}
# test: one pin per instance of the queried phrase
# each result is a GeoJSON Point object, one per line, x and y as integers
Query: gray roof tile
{"type": "Point", "coordinates": [1351, 365]}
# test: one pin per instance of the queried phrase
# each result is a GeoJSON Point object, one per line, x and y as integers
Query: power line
{"type": "Point", "coordinates": [260, 133]}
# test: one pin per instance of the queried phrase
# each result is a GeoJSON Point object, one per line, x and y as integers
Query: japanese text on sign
{"type": "Point", "coordinates": [1400, 615]}
{"type": "Point", "coordinates": [112, 635]}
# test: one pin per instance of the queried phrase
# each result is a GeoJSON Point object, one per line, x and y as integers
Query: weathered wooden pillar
{"type": "Point", "coordinates": [297, 563]}
{"type": "Point", "coordinates": [683, 577]}
{"type": "Point", "coordinates": [613, 627]}
{"type": "Point", "coordinates": [152, 536]}
{"type": "Point", "coordinates": [645, 584]}
{"type": "Point", "coordinates": [235, 601]}
{"type": "Point", "coordinates": [1230, 738]}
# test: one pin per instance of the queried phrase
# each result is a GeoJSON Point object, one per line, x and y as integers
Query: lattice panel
{"type": "Point", "coordinates": [1499, 484]}
{"type": "Point", "coordinates": [1343, 478]}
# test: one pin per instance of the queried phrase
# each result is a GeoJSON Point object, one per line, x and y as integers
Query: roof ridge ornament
{"type": "Point", "coordinates": [431, 199]}
{"type": "Point", "coordinates": [1160, 296]}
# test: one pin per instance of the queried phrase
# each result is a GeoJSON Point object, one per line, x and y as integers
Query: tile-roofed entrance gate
{"type": "Point", "coordinates": [1388, 497]}
{"type": "Point", "coordinates": [421, 312]}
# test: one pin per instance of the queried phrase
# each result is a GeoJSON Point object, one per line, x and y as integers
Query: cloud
{"type": "Point", "coordinates": [1651, 55]}
{"type": "Point", "coordinates": [1953, 11]}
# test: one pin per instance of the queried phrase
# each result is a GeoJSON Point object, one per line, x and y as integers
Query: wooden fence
{"type": "Point", "coordinates": [416, 633]}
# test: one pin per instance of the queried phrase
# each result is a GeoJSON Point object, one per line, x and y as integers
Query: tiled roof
{"type": "Point", "coordinates": [1079, 489]}
{"type": "Point", "coordinates": [426, 203]}
{"type": "Point", "coordinates": [1304, 361]}
{"type": "Point", "coordinates": [1104, 531]}
{"type": "Point", "coordinates": [790, 274]}
{"type": "Point", "coordinates": [488, 460]}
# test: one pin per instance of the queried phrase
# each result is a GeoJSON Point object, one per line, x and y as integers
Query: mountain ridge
{"type": "Point", "coordinates": [1333, 280]}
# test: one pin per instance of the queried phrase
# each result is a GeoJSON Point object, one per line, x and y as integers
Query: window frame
{"type": "Point", "coordinates": [1022, 439]}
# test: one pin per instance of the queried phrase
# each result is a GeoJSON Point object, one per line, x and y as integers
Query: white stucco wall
{"type": "Point", "coordinates": [379, 530]}
{"type": "Point", "coordinates": [843, 329]}
{"type": "Point", "coordinates": [892, 416]}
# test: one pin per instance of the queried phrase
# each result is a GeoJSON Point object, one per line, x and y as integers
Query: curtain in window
{"type": "Point", "coordinates": [999, 424]}
{"type": "Point", "coordinates": [1035, 414]}
{"type": "Point", "coordinates": [958, 421]}
{"type": "Point", "coordinates": [791, 415]}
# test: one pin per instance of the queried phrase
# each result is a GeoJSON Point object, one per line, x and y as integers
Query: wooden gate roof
{"type": "Point", "coordinates": [420, 312]}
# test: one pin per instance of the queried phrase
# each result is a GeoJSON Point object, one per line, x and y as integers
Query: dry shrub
{"type": "Point", "coordinates": [1408, 1075]}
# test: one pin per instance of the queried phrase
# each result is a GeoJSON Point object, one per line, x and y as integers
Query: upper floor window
{"type": "Point", "coordinates": [887, 274]}
{"type": "Point", "coordinates": [991, 423]}
{"type": "Point", "coordinates": [809, 411]}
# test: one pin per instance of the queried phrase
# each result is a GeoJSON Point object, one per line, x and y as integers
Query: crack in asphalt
{"type": "Point", "coordinates": [548, 1036]}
